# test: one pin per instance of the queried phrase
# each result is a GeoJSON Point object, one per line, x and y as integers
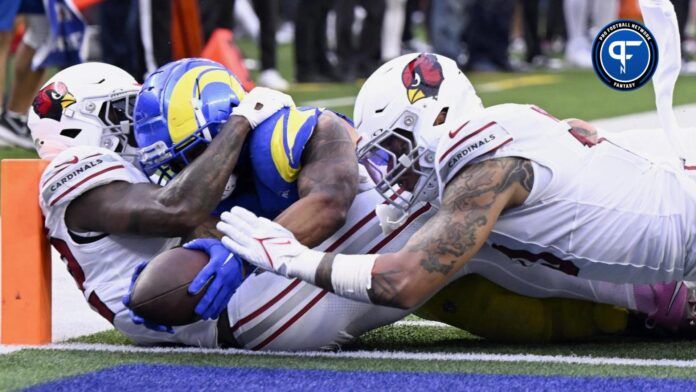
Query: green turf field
{"type": "Point", "coordinates": [31, 366]}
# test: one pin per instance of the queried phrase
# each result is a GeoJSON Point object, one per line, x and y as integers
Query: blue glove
{"type": "Point", "coordinates": [134, 317]}
{"type": "Point", "coordinates": [227, 270]}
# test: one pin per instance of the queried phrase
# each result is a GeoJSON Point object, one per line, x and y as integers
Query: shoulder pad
{"type": "Point", "coordinates": [277, 143]}
{"type": "Point", "coordinates": [79, 169]}
{"type": "Point", "coordinates": [470, 141]}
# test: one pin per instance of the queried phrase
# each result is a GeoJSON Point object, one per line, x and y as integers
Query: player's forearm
{"type": "Point", "coordinates": [313, 218]}
{"type": "Point", "coordinates": [390, 279]}
{"type": "Point", "coordinates": [196, 191]}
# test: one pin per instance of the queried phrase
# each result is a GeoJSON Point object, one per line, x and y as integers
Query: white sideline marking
{"type": "Point", "coordinates": [420, 323]}
{"type": "Point", "coordinates": [397, 355]}
{"type": "Point", "coordinates": [9, 349]}
{"type": "Point", "coordinates": [339, 101]}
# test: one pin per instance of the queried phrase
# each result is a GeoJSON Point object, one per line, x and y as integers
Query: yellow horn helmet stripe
{"type": "Point", "coordinates": [181, 117]}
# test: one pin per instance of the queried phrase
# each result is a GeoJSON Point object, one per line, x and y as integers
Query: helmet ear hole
{"type": "Point", "coordinates": [70, 132]}
{"type": "Point", "coordinates": [441, 117]}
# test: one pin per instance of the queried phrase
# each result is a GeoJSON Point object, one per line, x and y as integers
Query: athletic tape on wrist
{"type": "Point", "coordinates": [351, 276]}
{"type": "Point", "coordinates": [304, 266]}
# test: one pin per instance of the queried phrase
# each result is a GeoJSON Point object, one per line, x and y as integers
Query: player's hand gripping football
{"type": "Point", "coordinates": [260, 104]}
{"type": "Point", "coordinates": [136, 318]}
{"type": "Point", "coordinates": [227, 272]}
{"type": "Point", "coordinates": [263, 243]}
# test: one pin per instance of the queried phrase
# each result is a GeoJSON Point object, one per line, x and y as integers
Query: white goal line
{"type": "Point", "coordinates": [395, 355]}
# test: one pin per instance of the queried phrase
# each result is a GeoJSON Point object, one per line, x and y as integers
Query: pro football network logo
{"type": "Point", "coordinates": [624, 55]}
{"type": "Point", "coordinates": [422, 77]}
{"type": "Point", "coordinates": [52, 100]}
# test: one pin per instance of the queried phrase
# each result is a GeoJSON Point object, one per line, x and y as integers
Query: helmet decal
{"type": "Point", "coordinates": [192, 85]}
{"type": "Point", "coordinates": [52, 100]}
{"type": "Point", "coordinates": [422, 77]}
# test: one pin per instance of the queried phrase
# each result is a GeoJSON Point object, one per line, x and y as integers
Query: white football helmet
{"type": "Point", "coordinates": [413, 100]}
{"type": "Point", "coordinates": [89, 104]}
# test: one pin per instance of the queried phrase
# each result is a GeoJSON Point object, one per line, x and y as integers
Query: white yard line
{"type": "Point", "coordinates": [395, 355]}
{"type": "Point", "coordinates": [420, 323]}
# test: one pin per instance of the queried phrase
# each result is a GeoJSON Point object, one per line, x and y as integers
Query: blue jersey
{"type": "Point", "coordinates": [271, 161]}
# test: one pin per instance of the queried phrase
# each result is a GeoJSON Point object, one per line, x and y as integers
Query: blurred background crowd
{"type": "Point", "coordinates": [333, 40]}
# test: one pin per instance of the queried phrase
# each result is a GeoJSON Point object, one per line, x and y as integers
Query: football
{"type": "Point", "coordinates": [160, 293]}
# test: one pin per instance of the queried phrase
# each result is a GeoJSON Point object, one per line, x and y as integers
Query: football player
{"type": "Point", "coordinates": [102, 214]}
{"type": "Point", "coordinates": [511, 177]}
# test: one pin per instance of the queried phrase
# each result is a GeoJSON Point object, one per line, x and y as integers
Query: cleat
{"type": "Point", "coordinates": [14, 131]}
{"type": "Point", "coordinates": [667, 304]}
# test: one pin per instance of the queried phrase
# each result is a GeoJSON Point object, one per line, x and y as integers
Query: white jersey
{"type": "Point", "coordinates": [271, 312]}
{"type": "Point", "coordinates": [596, 211]}
{"type": "Point", "coordinates": [102, 264]}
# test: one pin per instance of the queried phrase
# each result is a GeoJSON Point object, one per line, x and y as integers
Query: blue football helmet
{"type": "Point", "coordinates": [179, 110]}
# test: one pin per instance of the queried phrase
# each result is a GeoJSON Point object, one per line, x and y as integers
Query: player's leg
{"type": "Point", "coordinates": [28, 80]}
{"type": "Point", "coordinates": [7, 19]}
{"type": "Point", "coordinates": [539, 281]}
{"type": "Point", "coordinates": [25, 80]}
{"type": "Point", "coordinates": [202, 333]}
{"type": "Point", "coordinates": [577, 50]}
{"type": "Point", "coordinates": [665, 304]}
{"type": "Point", "coordinates": [484, 308]}
{"type": "Point", "coordinates": [270, 312]}
{"type": "Point", "coordinates": [499, 298]}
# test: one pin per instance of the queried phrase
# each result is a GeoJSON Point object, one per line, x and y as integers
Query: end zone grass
{"type": "Point", "coordinates": [32, 366]}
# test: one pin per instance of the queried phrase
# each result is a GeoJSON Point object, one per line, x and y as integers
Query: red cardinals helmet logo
{"type": "Point", "coordinates": [51, 100]}
{"type": "Point", "coordinates": [422, 77]}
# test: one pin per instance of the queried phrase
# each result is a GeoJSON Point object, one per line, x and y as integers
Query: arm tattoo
{"type": "Point", "coordinates": [455, 231]}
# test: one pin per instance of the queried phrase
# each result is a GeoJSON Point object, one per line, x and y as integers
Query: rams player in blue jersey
{"type": "Point", "coordinates": [298, 167]}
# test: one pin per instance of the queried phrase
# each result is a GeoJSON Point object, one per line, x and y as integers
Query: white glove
{"type": "Point", "coordinates": [260, 104]}
{"type": "Point", "coordinates": [267, 245]}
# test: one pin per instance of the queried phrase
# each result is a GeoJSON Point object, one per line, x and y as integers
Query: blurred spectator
{"type": "Point", "coordinates": [25, 80]}
{"type": "Point", "coordinates": [392, 29]}
{"type": "Point", "coordinates": [311, 61]}
{"type": "Point", "coordinates": [120, 36]}
{"type": "Point", "coordinates": [216, 14]}
{"type": "Point", "coordinates": [488, 35]}
{"type": "Point", "coordinates": [361, 59]}
{"type": "Point", "coordinates": [555, 23]}
{"type": "Point", "coordinates": [530, 15]}
{"type": "Point", "coordinates": [580, 32]}
{"type": "Point", "coordinates": [682, 7]}
{"type": "Point", "coordinates": [136, 34]}
{"type": "Point", "coordinates": [449, 19]}
{"type": "Point", "coordinates": [267, 11]}
{"type": "Point", "coordinates": [416, 15]}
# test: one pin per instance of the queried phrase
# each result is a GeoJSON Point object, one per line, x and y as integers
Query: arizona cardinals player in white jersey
{"type": "Point", "coordinates": [80, 121]}
{"type": "Point", "coordinates": [510, 176]}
